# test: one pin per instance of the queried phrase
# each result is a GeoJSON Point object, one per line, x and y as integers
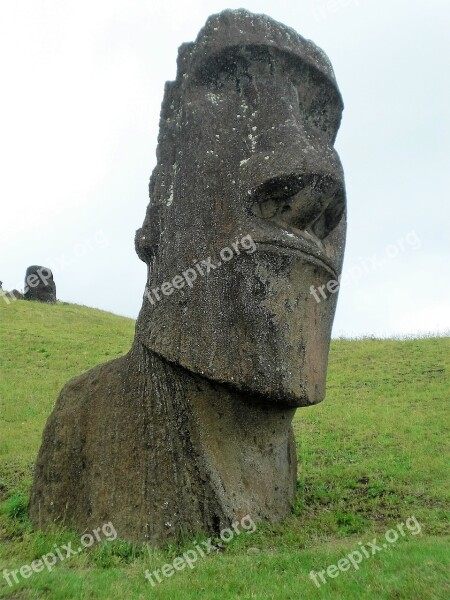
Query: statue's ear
{"type": "Point", "coordinates": [146, 239]}
{"type": "Point", "coordinates": [162, 181]}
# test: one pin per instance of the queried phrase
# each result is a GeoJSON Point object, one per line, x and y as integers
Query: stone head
{"type": "Point", "coordinates": [248, 208]}
{"type": "Point", "coordinates": [39, 284]}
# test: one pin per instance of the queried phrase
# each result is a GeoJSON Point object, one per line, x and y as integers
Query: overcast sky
{"type": "Point", "coordinates": [81, 88]}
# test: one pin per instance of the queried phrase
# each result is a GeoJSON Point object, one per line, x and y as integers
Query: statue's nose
{"type": "Point", "coordinates": [314, 202]}
{"type": "Point", "coordinates": [296, 181]}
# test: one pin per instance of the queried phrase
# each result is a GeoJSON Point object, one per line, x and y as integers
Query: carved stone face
{"type": "Point", "coordinates": [246, 154]}
{"type": "Point", "coordinates": [39, 284]}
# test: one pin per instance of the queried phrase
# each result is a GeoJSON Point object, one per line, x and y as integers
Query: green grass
{"type": "Point", "coordinates": [372, 455]}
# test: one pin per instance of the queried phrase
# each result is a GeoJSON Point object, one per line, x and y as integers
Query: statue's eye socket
{"type": "Point", "coordinates": [223, 70]}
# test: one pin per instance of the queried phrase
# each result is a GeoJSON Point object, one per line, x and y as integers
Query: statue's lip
{"type": "Point", "coordinates": [310, 253]}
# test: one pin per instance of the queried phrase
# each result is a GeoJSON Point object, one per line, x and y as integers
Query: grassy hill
{"type": "Point", "coordinates": [373, 455]}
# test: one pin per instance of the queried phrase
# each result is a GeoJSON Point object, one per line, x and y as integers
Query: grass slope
{"type": "Point", "coordinates": [371, 456]}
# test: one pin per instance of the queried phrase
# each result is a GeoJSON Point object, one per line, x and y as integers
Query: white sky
{"type": "Point", "coordinates": [81, 87]}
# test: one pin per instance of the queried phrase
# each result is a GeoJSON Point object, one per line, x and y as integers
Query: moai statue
{"type": "Point", "coordinates": [39, 285]}
{"type": "Point", "coordinates": [191, 430]}
{"type": "Point", "coordinates": [9, 295]}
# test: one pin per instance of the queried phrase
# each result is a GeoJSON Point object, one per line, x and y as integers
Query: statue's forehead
{"type": "Point", "coordinates": [232, 31]}
{"type": "Point", "coordinates": [234, 61]}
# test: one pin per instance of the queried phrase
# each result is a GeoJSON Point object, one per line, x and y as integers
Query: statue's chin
{"type": "Point", "coordinates": [281, 398]}
{"type": "Point", "coordinates": [269, 338]}
{"type": "Point", "coordinates": [282, 383]}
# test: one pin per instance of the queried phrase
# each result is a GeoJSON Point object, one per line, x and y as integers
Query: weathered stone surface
{"type": "Point", "coordinates": [39, 284]}
{"type": "Point", "coordinates": [15, 294]}
{"type": "Point", "coordinates": [10, 295]}
{"type": "Point", "coordinates": [192, 428]}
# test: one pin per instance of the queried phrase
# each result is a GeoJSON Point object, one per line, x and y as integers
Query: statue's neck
{"type": "Point", "coordinates": [247, 448]}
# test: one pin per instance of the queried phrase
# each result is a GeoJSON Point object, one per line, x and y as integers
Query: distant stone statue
{"type": "Point", "coordinates": [39, 284]}
{"type": "Point", "coordinates": [12, 295]}
{"type": "Point", "coordinates": [9, 295]}
{"type": "Point", "coordinates": [191, 430]}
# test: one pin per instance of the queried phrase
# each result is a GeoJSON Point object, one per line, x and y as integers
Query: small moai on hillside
{"type": "Point", "coordinates": [192, 430]}
{"type": "Point", "coordinates": [10, 295]}
{"type": "Point", "coordinates": [39, 284]}
{"type": "Point", "coordinates": [15, 295]}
